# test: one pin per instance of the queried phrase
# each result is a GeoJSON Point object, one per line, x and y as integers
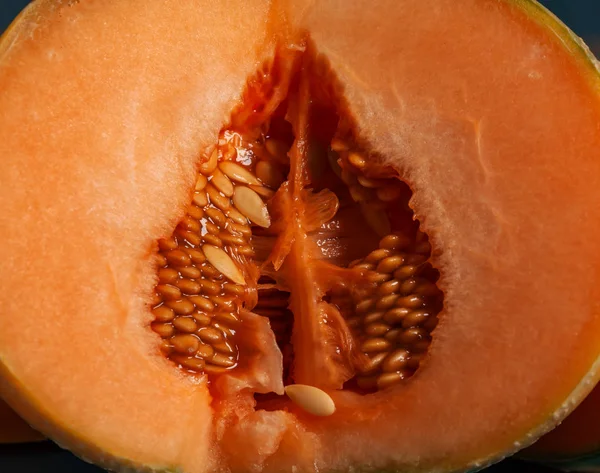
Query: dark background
{"type": "Point", "coordinates": [583, 16]}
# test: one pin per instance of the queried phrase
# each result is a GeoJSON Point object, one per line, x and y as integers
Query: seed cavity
{"type": "Point", "coordinates": [311, 399]}
{"type": "Point", "coordinates": [392, 320]}
{"type": "Point", "coordinates": [219, 260]}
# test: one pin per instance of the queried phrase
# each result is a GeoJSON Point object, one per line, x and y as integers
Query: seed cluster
{"type": "Point", "coordinates": [393, 317]}
{"type": "Point", "coordinates": [373, 194]}
{"type": "Point", "coordinates": [205, 275]}
{"type": "Point", "coordinates": [202, 277]}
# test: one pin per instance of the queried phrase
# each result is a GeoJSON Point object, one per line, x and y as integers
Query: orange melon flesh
{"type": "Point", "coordinates": [487, 108]}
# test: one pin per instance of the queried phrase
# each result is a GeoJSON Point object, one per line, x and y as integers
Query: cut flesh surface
{"type": "Point", "coordinates": [494, 129]}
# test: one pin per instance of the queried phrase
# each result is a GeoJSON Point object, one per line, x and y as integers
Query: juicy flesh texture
{"type": "Point", "coordinates": [495, 130]}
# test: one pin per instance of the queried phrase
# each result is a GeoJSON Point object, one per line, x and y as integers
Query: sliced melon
{"type": "Point", "coordinates": [390, 208]}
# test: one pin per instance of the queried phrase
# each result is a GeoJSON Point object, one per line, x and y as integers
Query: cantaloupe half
{"type": "Point", "coordinates": [204, 202]}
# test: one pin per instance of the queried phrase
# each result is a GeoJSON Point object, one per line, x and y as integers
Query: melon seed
{"type": "Point", "coordinates": [195, 212]}
{"type": "Point", "coordinates": [167, 275]}
{"type": "Point", "coordinates": [185, 344]}
{"type": "Point", "coordinates": [375, 345]}
{"type": "Point", "coordinates": [178, 258]}
{"type": "Point", "coordinates": [390, 264]}
{"type": "Point", "coordinates": [405, 272]}
{"type": "Point", "coordinates": [201, 318]}
{"type": "Point", "coordinates": [201, 182]}
{"type": "Point", "coordinates": [165, 330]}
{"type": "Point", "coordinates": [386, 302]}
{"type": "Point", "coordinates": [311, 399]}
{"type": "Point", "coordinates": [240, 222]}
{"type": "Point", "coordinates": [213, 240]}
{"type": "Point", "coordinates": [394, 242]}
{"type": "Point", "coordinates": [187, 286]}
{"type": "Point", "coordinates": [190, 363]}
{"type": "Point", "coordinates": [163, 313]}
{"type": "Point", "coordinates": [222, 183]}
{"type": "Point", "coordinates": [396, 360]}
{"type": "Point", "coordinates": [209, 287]}
{"type": "Point", "coordinates": [373, 317]}
{"type": "Point", "coordinates": [181, 307]}
{"type": "Point", "coordinates": [374, 362]}
{"type": "Point", "coordinates": [216, 198]}
{"type": "Point", "coordinates": [376, 329]}
{"type": "Point", "coordinates": [357, 160]}
{"type": "Point", "coordinates": [413, 301]}
{"type": "Point", "coordinates": [249, 203]}
{"type": "Point", "coordinates": [205, 351]}
{"type": "Point", "coordinates": [222, 360]}
{"type": "Point", "coordinates": [412, 336]}
{"type": "Point", "coordinates": [210, 164]}
{"type": "Point", "coordinates": [190, 272]}
{"type": "Point", "coordinates": [210, 335]}
{"type": "Point", "coordinates": [377, 255]}
{"type": "Point", "coordinates": [396, 315]}
{"type": "Point", "coordinates": [390, 379]}
{"type": "Point", "coordinates": [238, 173]}
{"type": "Point", "coordinates": [223, 263]}
{"type": "Point", "coordinates": [202, 303]}
{"type": "Point", "coordinates": [263, 191]}
{"type": "Point", "coordinates": [196, 256]}
{"type": "Point", "coordinates": [415, 318]}
{"type": "Point", "coordinates": [166, 244]}
{"type": "Point", "coordinates": [185, 324]}
{"type": "Point", "coordinates": [389, 287]}
{"type": "Point", "coordinates": [217, 217]}
{"type": "Point", "coordinates": [168, 292]}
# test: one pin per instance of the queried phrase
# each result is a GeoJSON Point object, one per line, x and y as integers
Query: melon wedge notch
{"type": "Point", "coordinates": [292, 237]}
